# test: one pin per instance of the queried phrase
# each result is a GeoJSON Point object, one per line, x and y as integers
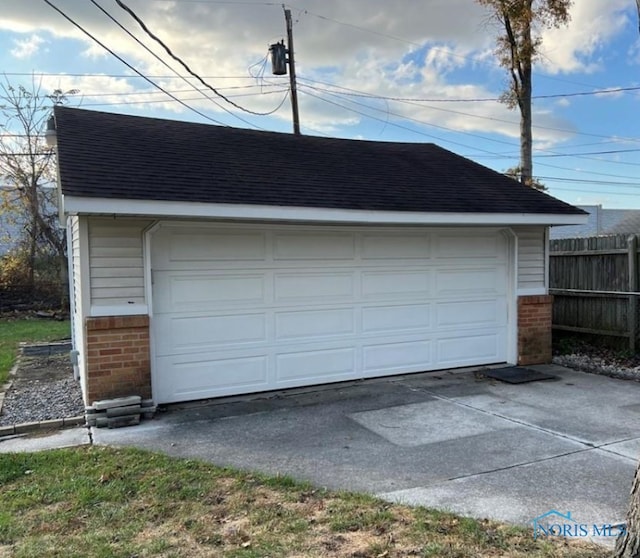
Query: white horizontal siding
{"type": "Point", "coordinates": [75, 259]}
{"type": "Point", "coordinates": [116, 262]}
{"type": "Point", "coordinates": [531, 259]}
{"type": "Point", "coordinates": [77, 319]}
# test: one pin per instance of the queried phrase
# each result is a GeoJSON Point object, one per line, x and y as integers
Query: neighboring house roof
{"type": "Point", "coordinates": [600, 222]}
{"type": "Point", "coordinates": [630, 224]}
{"type": "Point", "coordinates": [111, 156]}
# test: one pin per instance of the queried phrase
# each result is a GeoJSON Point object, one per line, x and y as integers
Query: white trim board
{"type": "Point", "coordinates": [107, 206]}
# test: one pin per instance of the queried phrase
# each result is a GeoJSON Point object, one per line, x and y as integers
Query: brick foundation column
{"type": "Point", "coordinates": [534, 329]}
{"type": "Point", "coordinates": [118, 362]}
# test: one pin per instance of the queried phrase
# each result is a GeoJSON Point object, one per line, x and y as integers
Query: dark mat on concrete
{"type": "Point", "coordinates": [517, 375]}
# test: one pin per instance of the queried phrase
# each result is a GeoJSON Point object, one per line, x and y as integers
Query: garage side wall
{"type": "Point", "coordinates": [118, 357]}
{"type": "Point", "coordinates": [116, 328]}
{"type": "Point", "coordinates": [78, 308]}
{"type": "Point", "coordinates": [534, 304]}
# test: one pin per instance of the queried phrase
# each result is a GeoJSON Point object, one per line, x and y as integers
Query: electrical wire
{"type": "Point", "coordinates": [476, 99]}
{"type": "Point", "coordinates": [549, 128]}
{"type": "Point", "coordinates": [166, 65]}
{"type": "Point", "coordinates": [175, 91]}
{"type": "Point", "coordinates": [161, 101]}
{"type": "Point", "coordinates": [186, 67]}
{"type": "Point", "coordinates": [95, 39]}
{"type": "Point", "coordinates": [396, 125]}
{"type": "Point", "coordinates": [581, 156]}
{"type": "Point", "coordinates": [97, 75]}
{"type": "Point", "coordinates": [420, 45]}
{"type": "Point", "coordinates": [454, 131]}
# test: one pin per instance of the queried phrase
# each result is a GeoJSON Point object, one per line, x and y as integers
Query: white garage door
{"type": "Point", "coordinates": [239, 309]}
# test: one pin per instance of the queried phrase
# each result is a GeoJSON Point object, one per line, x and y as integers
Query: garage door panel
{"type": "Point", "coordinates": [395, 356]}
{"type": "Point", "coordinates": [302, 246]}
{"type": "Point", "coordinates": [465, 245]}
{"type": "Point", "coordinates": [396, 284]}
{"type": "Point", "coordinates": [471, 313]}
{"type": "Point", "coordinates": [309, 288]}
{"type": "Point", "coordinates": [182, 379]}
{"type": "Point", "coordinates": [380, 246]}
{"type": "Point", "coordinates": [312, 324]}
{"type": "Point", "coordinates": [186, 333]}
{"type": "Point", "coordinates": [313, 366]}
{"type": "Point", "coordinates": [396, 318]}
{"type": "Point", "coordinates": [200, 292]}
{"type": "Point", "coordinates": [452, 283]}
{"type": "Point", "coordinates": [469, 348]}
{"type": "Point", "coordinates": [320, 304]}
{"type": "Point", "coordinates": [204, 247]}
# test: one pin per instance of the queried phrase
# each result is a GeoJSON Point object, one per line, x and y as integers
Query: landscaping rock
{"type": "Point", "coordinates": [43, 389]}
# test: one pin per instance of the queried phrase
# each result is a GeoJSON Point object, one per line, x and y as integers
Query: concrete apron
{"type": "Point", "coordinates": [448, 440]}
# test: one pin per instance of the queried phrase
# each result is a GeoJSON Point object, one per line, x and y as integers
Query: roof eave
{"type": "Point", "coordinates": [76, 205]}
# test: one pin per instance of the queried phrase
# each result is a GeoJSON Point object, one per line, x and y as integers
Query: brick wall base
{"type": "Point", "coordinates": [534, 329]}
{"type": "Point", "coordinates": [118, 362]}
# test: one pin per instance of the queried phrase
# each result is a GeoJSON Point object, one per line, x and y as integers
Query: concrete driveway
{"type": "Point", "coordinates": [448, 440]}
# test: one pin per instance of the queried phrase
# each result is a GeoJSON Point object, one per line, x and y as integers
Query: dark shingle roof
{"type": "Point", "coordinates": [115, 156]}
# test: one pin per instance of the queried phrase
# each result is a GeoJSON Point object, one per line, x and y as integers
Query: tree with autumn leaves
{"type": "Point", "coordinates": [521, 23]}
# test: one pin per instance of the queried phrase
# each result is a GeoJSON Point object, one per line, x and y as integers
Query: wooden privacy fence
{"type": "Point", "coordinates": [595, 284]}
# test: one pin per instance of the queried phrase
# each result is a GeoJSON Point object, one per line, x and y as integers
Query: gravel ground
{"type": "Point", "coordinates": [582, 356]}
{"type": "Point", "coordinates": [43, 389]}
{"type": "Point", "coordinates": [598, 365]}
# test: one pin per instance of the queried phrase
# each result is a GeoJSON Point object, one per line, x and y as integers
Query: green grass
{"type": "Point", "coordinates": [13, 331]}
{"type": "Point", "coordinates": [97, 501]}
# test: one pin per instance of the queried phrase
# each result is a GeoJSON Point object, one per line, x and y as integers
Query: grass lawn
{"type": "Point", "coordinates": [96, 501]}
{"type": "Point", "coordinates": [12, 331]}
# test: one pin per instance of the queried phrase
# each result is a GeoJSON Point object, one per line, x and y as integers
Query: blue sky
{"type": "Point", "coordinates": [368, 69]}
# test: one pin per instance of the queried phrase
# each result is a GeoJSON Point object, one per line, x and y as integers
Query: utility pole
{"type": "Point", "coordinates": [292, 74]}
{"type": "Point", "coordinates": [280, 57]}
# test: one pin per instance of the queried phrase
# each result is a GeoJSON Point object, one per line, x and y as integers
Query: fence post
{"type": "Point", "coordinates": [633, 288]}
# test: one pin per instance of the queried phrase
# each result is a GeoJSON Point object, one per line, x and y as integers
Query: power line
{"type": "Point", "coordinates": [446, 129]}
{"type": "Point", "coordinates": [114, 20]}
{"type": "Point", "coordinates": [160, 101]}
{"type": "Point", "coordinates": [609, 192]}
{"type": "Point", "coordinates": [77, 25]}
{"type": "Point", "coordinates": [586, 181]}
{"type": "Point", "coordinates": [100, 75]}
{"type": "Point", "coordinates": [581, 156]}
{"type": "Point", "coordinates": [550, 128]}
{"type": "Point", "coordinates": [471, 134]}
{"type": "Point", "coordinates": [152, 92]}
{"type": "Point", "coordinates": [185, 66]}
{"type": "Point", "coordinates": [474, 99]}
{"type": "Point", "coordinates": [395, 124]}
{"type": "Point", "coordinates": [611, 152]}
{"type": "Point", "coordinates": [416, 44]}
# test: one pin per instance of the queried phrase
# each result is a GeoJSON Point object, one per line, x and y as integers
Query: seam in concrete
{"type": "Point", "coordinates": [517, 465]}
{"type": "Point", "coordinates": [604, 448]}
{"type": "Point", "coordinates": [589, 445]}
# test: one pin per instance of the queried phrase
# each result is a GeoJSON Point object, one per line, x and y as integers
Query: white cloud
{"type": "Point", "coordinates": [26, 48]}
{"type": "Point", "coordinates": [408, 49]}
{"type": "Point", "coordinates": [575, 48]}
